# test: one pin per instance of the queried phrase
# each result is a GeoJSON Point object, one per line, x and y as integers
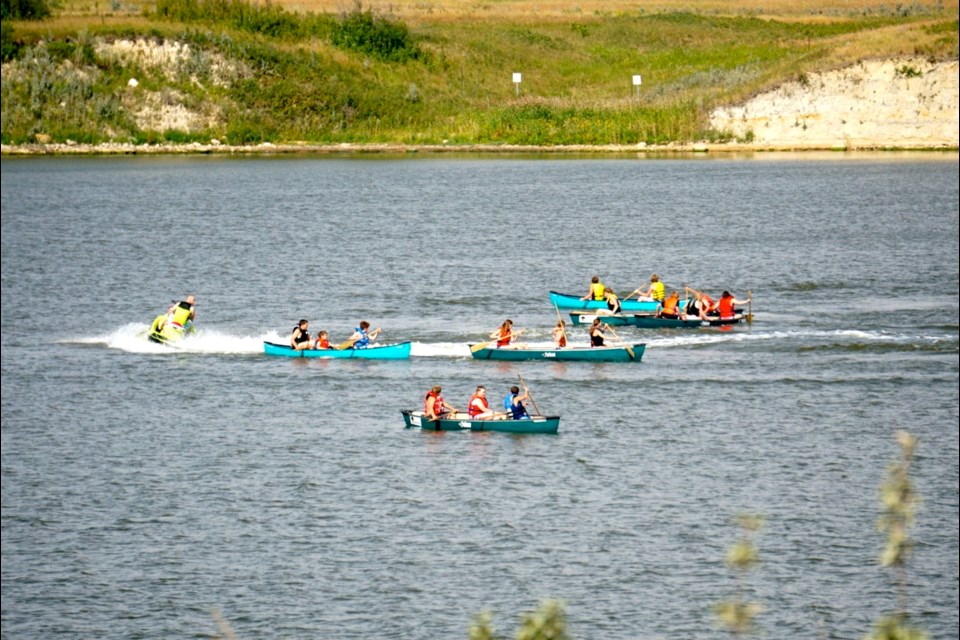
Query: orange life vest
{"type": "Point", "coordinates": [670, 305]}
{"type": "Point", "coordinates": [726, 307]}
{"type": "Point", "coordinates": [473, 410]}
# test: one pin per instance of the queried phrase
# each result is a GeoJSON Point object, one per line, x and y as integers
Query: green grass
{"type": "Point", "coordinates": [360, 77]}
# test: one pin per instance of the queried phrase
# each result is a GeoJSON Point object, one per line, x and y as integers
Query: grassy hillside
{"type": "Point", "coordinates": [430, 72]}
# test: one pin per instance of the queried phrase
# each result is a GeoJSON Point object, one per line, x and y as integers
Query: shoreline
{"type": "Point", "coordinates": [118, 149]}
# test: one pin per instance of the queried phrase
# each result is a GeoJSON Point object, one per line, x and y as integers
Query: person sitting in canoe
{"type": "Point", "coordinates": [513, 404]}
{"type": "Point", "coordinates": [362, 338]}
{"type": "Point", "coordinates": [300, 337]}
{"type": "Point", "coordinates": [504, 333]}
{"type": "Point", "coordinates": [726, 306]}
{"type": "Point", "coordinates": [613, 302]}
{"type": "Point", "coordinates": [703, 304]}
{"type": "Point", "coordinates": [322, 341]}
{"type": "Point", "coordinates": [597, 331]}
{"type": "Point", "coordinates": [654, 292]}
{"type": "Point", "coordinates": [560, 334]}
{"type": "Point", "coordinates": [477, 408]}
{"type": "Point", "coordinates": [596, 289]}
{"type": "Point", "coordinates": [670, 307]}
{"type": "Point", "coordinates": [434, 406]}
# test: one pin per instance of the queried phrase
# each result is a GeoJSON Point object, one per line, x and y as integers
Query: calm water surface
{"type": "Point", "coordinates": [144, 487]}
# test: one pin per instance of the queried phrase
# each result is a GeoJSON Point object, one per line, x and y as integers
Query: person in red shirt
{"type": "Point", "coordinates": [504, 334]}
{"type": "Point", "coordinates": [726, 306]}
{"type": "Point", "coordinates": [322, 341]}
{"type": "Point", "coordinates": [434, 406]}
{"type": "Point", "coordinates": [479, 408]}
{"type": "Point", "coordinates": [560, 334]}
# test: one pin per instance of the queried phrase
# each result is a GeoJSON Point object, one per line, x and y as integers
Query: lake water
{"type": "Point", "coordinates": [146, 487]}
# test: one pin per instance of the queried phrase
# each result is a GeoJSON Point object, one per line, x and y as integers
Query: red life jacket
{"type": "Point", "coordinates": [708, 304]}
{"type": "Point", "coordinates": [473, 410]}
{"type": "Point", "coordinates": [504, 338]}
{"type": "Point", "coordinates": [726, 307]}
{"type": "Point", "coordinates": [437, 402]}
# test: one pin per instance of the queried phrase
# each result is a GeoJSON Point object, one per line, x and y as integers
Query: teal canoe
{"type": "Point", "coordinates": [571, 302]}
{"type": "Point", "coordinates": [399, 351]}
{"type": "Point", "coordinates": [624, 353]}
{"type": "Point", "coordinates": [651, 321]}
{"type": "Point", "coordinates": [461, 422]}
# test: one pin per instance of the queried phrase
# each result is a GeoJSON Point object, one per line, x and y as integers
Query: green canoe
{"type": "Point", "coordinates": [651, 321]}
{"type": "Point", "coordinates": [624, 353]}
{"type": "Point", "coordinates": [461, 422]}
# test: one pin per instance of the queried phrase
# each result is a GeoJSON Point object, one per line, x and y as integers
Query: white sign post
{"type": "Point", "coordinates": [516, 82]}
{"type": "Point", "coordinates": [637, 80]}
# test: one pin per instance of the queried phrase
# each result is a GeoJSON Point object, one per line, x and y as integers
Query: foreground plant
{"type": "Point", "coordinates": [737, 614]}
{"type": "Point", "coordinates": [548, 622]}
{"type": "Point", "coordinates": [899, 511]}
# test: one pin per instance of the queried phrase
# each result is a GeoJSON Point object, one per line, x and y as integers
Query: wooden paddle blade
{"type": "Point", "coordinates": [345, 345]}
{"type": "Point", "coordinates": [482, 345]}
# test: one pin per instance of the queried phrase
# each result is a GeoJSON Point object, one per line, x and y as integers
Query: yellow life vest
{"type": "Point", "coordinates": [181, 315]}
{"type": "Point", "coordinates": [597, 288]}
{"type": "Point", "coordinates": [656, 290]}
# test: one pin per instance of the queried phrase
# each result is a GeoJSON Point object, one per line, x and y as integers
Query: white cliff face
{"type": "Point", "coordinates": [905, 103]}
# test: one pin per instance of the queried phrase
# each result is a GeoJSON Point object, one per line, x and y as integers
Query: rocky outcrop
{"type": "Point", "coordinates": [907, 103]}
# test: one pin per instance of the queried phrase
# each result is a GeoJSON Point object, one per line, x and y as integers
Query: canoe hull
{"type": "Point", "coordinates": [568, 354]}
{"type": "Point", "coordinates": [571, 302]}
{"type": "Point", "coordinates": [650, 321]}
{"type": "Point", "coordinates": [536, 424]}
{"type": "Point", "coordinates": [399, 351]}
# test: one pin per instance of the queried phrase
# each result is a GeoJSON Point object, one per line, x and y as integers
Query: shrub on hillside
{"type": "Point", "coordinates": [9, 48]}
{"type": "Point", "coordinates": [24, 9]}
{"type": "Point", "coordinates": [375, 35]}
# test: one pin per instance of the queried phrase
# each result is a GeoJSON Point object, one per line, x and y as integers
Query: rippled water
{"type": "Point", "coordinates": [144, 487]}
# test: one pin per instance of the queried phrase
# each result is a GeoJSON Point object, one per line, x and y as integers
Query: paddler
{"type": "Point", "coordinates": [655, 292]}
{"type": "Point", "coordinates": [362, 337]}
{"type": "Point", "coordinates": [727, 305]}
{"type": "Point", "coordinates": [434, 406]}
{"type": "Point", "coordinates": [300, 337]}
{"type": "Point", "coordinates": [596, 291]}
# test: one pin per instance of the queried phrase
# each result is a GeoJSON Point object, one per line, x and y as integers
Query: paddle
{"type": "Point", "coordinates": [373, 335]}
{"type": "Point", "coordinates": [625, 345]}
{"type": "Point", "coordinates": [529, 395]}
{"type": "Point", "coordinates": [749, 307]}
{"type": "Point", "coordinates": [563, 330]}
{"type": "Point", "coordinates": [484, 345]}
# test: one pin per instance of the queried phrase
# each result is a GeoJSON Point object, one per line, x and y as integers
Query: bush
{"type": "Point", "coordinates": [377, 36]}
{"type": "Point", "coordinates": [24, 9]}
{"type": "Point", "coordinates": [9, 48]}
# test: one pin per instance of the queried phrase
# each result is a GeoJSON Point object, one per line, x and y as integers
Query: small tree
{"type": "Point", "coordinates": [737, 614]}
{"type": "Point", "coordinates": [899, 511]}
